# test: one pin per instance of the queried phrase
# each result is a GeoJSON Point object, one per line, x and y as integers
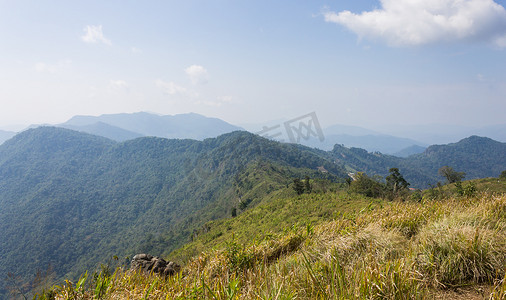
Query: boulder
{"type": "Point", "coordinates": [148, 263]}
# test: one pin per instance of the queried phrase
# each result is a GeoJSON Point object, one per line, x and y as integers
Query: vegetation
{"type": "Point", "coordinates": [395, 183]}
{"type": "Point", "coordinates": [368, 186]}
{"type": "Point", "coordinates": [69, 200]}
{"type": "Point", "coordinates": [387, 250]}
{"type": "Point", "coordinates": [451, 175]}
{"type": "Point", "coordinates": [478, 157]}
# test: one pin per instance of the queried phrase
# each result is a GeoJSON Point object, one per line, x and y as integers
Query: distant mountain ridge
{"type": "Point", "coordinates": [121, 127]}
{"type": "Point", "coordinates": [349, 136]}
{"type": "Point", "coordinates": [444, 133]}
{"type": "Point", "coordinates": [386, 144]}
{"type": "Point", "coordinates": [5, 135]}
{"type": "Point", "coordinates": [478, 157]}
{"type": "Point", "coordinates": [415, 149]}
{"type": "Point", "coordinates": [105, 130]}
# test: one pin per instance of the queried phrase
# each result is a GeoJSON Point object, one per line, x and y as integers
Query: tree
{"type": "Point", "coordinates": [451, 175]}
{"type": "Point", "coordinates": [395, 181]}
{"type": "Point", "coordinates": [298, 186]}
{"type": "Point", "coordinates": [366, 185]}
{"type": "Point", "coordinates": [503, 175]}
{"type": "Point", "coordinates": [307, 185]}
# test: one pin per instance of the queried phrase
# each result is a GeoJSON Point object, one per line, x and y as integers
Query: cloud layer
{"type": "Point", "coordinates": [419, 22]}
{"type": "Point", "coordinates": [197, 74]}
{"type": "Point", "coordinates": [94, 34]}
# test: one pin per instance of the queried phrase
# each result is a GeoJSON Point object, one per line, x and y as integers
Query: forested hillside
{"type": "Point", "coordinates": [478, 157]}
{"type": "Point", "coordinates": [71, 200]}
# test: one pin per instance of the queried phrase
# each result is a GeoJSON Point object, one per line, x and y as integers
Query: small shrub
{"type": "Point", "coordinates": [238, 257]}
{"type": "Point", "coordinates": [416, 196]}
{"type": "Point", "coordinates": [469, 190]}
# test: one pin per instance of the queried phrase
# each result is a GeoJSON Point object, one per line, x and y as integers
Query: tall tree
{"type": "Point", "coordinates": [451, 175]}
{"type": "Point", "coordinates": [366, 185]}
{"type": "Point", "coordinates": [307, 185]}
{"type": "Point", "coordinates": [395, 181]}
{"type": "Point", "coordinates": [298, 186]}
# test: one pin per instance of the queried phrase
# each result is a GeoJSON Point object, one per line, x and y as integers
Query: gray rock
{"type": "Point", "coordinates": [148, 263]}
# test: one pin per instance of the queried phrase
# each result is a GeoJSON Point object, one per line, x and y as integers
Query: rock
{"type": "Point", "coordinates": [148, 263]}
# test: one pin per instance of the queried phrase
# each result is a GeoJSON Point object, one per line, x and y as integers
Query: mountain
{"type": "Point", "coordinates": [374, 143]}
{"type": "Point", "coordinates": [496, 132]}
{"type": "Point", "coordinates": [5, 135]}
{"type": "Point", "coordinates": [349, 136]}
{"type": "Point", "coordinates": [71, 200]}
{"type": "Point", "coordinates": [478, 157]}
{"type": "Point", "coordinates": [105, 130]}
{"type": "Point", "coordinates": [191, 126]}
{"type": "Point", "coordinates": [414, 149]}
{"type": "Point", "coordinates": [444, 133]}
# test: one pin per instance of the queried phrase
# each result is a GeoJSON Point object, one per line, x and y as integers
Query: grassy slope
{"type": "Point", "coordinates": [280, 212]}
{"type": "Point", "coordinates": [439, 249]}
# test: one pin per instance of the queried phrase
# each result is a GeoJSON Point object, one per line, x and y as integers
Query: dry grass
{"type": "Point", "coordinates": [401, 251]}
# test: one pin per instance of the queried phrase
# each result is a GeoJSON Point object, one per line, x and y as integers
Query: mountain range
{"type": "Point", "coordinates": [478, 157]}
{"type": "Point", "coordinates": [398, 140]}
{"type": "Point", "coordinates": [121, 127]}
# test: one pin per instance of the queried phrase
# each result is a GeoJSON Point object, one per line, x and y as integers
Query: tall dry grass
{"type": "Point", "coordinates": [399, 251]}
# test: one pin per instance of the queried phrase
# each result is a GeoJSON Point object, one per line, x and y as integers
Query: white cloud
{"type": "Point", "coordinates": [500, 41]}
{"type": "Point", "coordinates": [418, 22]}
{"type": "Point", "coordinates": [94, 34]}
{"type": "Point", "coordinates": [171, 88]}
{"type": "Point", "coordinates": [118, 85]}
{"type": "Point", "coordinates": [197, 74]}
{"type": "Point", "coordinates": [43, 67]}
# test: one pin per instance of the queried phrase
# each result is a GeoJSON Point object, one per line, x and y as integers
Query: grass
{"type": "Point", "coordinates": [281, 214]}
{"type": "Point", "coordinates": [398, 250]}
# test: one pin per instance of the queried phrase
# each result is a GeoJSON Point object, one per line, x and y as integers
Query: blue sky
{"type": "Point", "coordinates": [369, 63]}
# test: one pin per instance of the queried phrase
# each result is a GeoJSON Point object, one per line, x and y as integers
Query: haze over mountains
{"type": "Point", "coordinates": [5, 135]}
{"type": "Point", "coordinates": [400, 141]}
{"type": "Point", "coordinates": [121, 127]}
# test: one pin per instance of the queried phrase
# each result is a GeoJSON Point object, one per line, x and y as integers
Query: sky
{"type": "Point", "coordinates": [365, 63]}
